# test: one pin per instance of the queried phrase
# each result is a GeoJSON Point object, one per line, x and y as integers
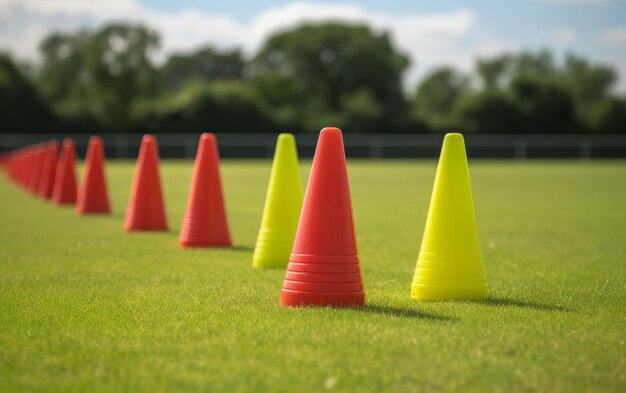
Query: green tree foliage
{"type": "Point", "coordinates": [492, 72]}
{"type": "Point", "coordinates": [437, 96]}
{"type": "Point", "coordinates": [609, 116]}
{"type": "Point", "coordinates": [302, 79]}
{"type": "Point", "coordinates": [488, 111]}
{"type": "Point", "coordinates": [221, 106]}
{"type": "Point", "coordinates": [95, 76]}
{"type": "Point", "coordinates": [205, 64]}
{"type": "Point", "coordinates": [344, 72]}
{"type": "Point", "coordinates": [528, 92]}
{"type": "Point", "coordinates": [545, 106]}
{"type": "Point", "coordinates": [22, 109]}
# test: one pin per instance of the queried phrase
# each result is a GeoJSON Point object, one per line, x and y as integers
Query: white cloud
{"type": "Point", "coordinates": [614, 37]}
{"type": "Point", "coordinates": [428, 39]}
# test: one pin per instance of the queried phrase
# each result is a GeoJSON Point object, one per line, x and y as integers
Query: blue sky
{"type": "Point", "coordinates": [432, 33]}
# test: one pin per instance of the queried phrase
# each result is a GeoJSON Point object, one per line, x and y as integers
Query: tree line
{"type": "Point", "coordinates": [106, 80]}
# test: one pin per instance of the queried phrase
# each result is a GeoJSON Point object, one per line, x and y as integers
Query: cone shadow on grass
{"type": "Point", "coordinates": [402, 312]}
{"type": "Point", "coordinates": [510, 302]}
{"type": "Point", "coordinates": [242, 248]}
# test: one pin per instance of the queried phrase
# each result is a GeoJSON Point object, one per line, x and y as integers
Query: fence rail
{"type": "Point", "coordinates": [357, 145]}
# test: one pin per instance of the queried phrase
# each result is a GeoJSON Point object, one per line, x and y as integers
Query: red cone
{"type": "Point", "coordinates": [30, 165]}
{"type": "Point", "coordinates": [205, 223]}
{"type": "Point", "coordinates": [35, 172]}
{"type": "Point", "coordinates": [146, 210]}
{"type": "Point", "coordinates": [48, 170]}
{"type": "Point", "coordinates": [93, 196]}
{"type": "Point", "coordinates": [26, 163]}
{"type": "Point", "coordinates": [324, 265]}
{"type": "Point", "coordinates": [64, 192]}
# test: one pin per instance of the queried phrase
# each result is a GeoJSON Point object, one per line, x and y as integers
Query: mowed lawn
{"type": "Point", "coordinates": [85, 307]}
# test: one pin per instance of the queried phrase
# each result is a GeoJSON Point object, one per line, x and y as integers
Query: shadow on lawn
{"type": "Point", "coordinates": [509, 302]}
{"type": "Point", "coordinates": [242, 248]}
{"type": "Point", "coordinates": [403, 312]}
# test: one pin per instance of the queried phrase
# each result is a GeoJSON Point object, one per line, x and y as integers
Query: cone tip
{"type": "Point", "coordinates": [330, 131]}
{"type": "Point", "coordinates": [148, 139]}
{"type": "Point", "coordinates": [331, 135]}
{"type": "Point", "coordinates": [95, 140]}
{"type": "Point", "coordinates": [68, 143]}
{"type": "Point", "coordinates": [453, 137]}
{"type": "Point", "coordinates": [286, 137]}
{"type": "Point", "coordinates": [207, 136]}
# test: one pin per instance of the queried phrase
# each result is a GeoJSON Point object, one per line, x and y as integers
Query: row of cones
{"type": "Point", "coordinates": [41, 171]}
{"type": "Point", "coordinates": [205, 223]}
{"type": "Point", "coordinates": [312, 236]}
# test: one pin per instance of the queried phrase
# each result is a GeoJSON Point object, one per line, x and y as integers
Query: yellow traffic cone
{"type": "Point", "coordinates": [282, 207]}
{"type": "Point", "coordinates": [450, 264]}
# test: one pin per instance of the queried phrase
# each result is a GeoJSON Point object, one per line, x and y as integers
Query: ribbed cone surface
{"type": "Point", "coordinates": [450, 264]}
{"type": "Point", "coordinates": [205, 223]}
{"type": "Point", "coordinates": [282, 207]}
{"type": "Point", "coordinates": [324, 266]}
{"type": "Point", "coordinates": [64, 191]}
{"type": "Point", "coordinates": [35, 173]}
{"type": "Point", "coordinates": [48, 170]}
{"type": "Point", "coordinates": [146, 209]}
{"type": "Point", "coordinates": [93, 197]}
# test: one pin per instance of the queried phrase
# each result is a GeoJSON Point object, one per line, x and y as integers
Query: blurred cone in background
{"type": "Point", "coordinates": [64, 191]}
{"type": "Point", "coordinates": [27, 165]}
{"type": "Point", "coordinates": [48, 170]}
{"type": "Point", "coordinates": [205, 223]}
{"type": "Point", "coordinates": [450, 264]}
{"type": "Point", "coordinates": [324, 265]}
{"type": "Point", "coordinates": [35, 172]}
{"type": "Point", "coordinates": [282, 207]}
{"type": "Point", "coordinates": [146, 210]}
{"type": "Point", "coordinates": [93, 196]}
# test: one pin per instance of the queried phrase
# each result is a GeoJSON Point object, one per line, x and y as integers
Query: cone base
{"type": "Point", "coordinates": [269, 263]}
{"type": "Point", "coordinates": [428, 292]}
{"type": "Point", "coordinates": [290, 298]}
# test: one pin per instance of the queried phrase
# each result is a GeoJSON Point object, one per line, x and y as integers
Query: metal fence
{"type": "Point", "coordinates": [357, 145]}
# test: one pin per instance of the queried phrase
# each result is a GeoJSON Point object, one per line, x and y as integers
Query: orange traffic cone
{"type": "Point", "coordinates": [205, 223]}
{"type": "Point", "coordinates": [324, 265]}
{"type": "Point", "coordinates": [93, 196]}
{"type": "Point", "coordinates": [64, 192]}
{"type": "Point", "coordinates": [29, 158]}
{"type": "Point", "coordinates": [146, 210]}
{"type": "Point", "coordinates": [35, 173]}
{"type": "Point", "coordinates": [46, 183]}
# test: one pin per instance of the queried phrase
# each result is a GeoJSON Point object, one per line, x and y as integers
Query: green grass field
{"type": "Point", "coordinates": [87, 307]}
